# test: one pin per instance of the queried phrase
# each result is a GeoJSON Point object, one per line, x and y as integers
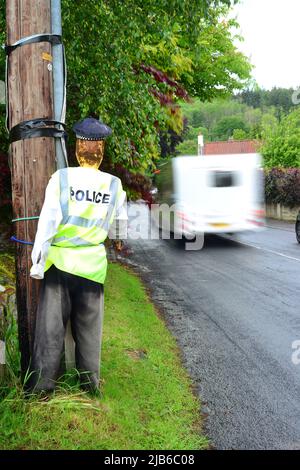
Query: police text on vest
{"type": "Point", "coordinates": [89, 196]}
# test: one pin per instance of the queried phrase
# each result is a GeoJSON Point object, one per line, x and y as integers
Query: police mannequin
{"type": "Point", "coordinates": [69, 256]}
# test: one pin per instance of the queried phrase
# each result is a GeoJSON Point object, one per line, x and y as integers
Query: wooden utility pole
{"type": "Point", "coordinates": [32, 161]}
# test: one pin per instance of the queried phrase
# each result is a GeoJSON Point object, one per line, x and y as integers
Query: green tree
{"type": "Point", "coordinates": [218, 62]}
{"type": "Point", "coordinates": [281, 141]}
{"type": "Point", "coordinates": [209, 115]}
{"type": "Point", "coordinates": [278, 98]}
{"type": "Point", "coordinates": [239, 134]}
{"type": "Point", "coordinates": [130, 61]}
{"type": "Point", "coordinates": [188, 147]}
{"type": "Point", "coordinates": [226, 126]}
{"type": "Point", "coordinates": [193, 132]}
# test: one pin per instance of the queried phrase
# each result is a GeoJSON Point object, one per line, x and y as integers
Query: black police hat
{"type": "Point", "coordinates": [91, 129]}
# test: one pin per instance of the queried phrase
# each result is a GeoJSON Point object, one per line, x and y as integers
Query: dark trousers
{"type": "Point", "coordinates": [64, 296]}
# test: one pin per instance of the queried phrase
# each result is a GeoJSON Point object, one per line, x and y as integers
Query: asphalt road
{"type": "Point", "coordinates": [234, 309]}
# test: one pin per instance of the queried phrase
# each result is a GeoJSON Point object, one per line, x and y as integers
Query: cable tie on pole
{"type": "Point", "coordinates": [14, 239]}
{"type": "Point", "coordinates": [25, 218]}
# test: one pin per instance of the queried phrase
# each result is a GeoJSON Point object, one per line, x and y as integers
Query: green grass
{"type": "Point", "coordinates": [147, 400]}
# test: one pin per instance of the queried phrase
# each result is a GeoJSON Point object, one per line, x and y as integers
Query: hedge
{"type": "Point", "coordinates": [282, 185]}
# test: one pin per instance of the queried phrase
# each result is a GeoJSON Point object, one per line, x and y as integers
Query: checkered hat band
{"type": "Point", "coordinates": [81, 137]}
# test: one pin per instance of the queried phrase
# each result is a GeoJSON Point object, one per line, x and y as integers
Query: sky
{"type": "Point", "coordinates": [271, 29]}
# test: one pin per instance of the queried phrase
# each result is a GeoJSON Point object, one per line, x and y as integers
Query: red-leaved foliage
{"type": "Point", "coordinates": [162, 77]}
{"type": "Point", "coordinates": [141, 185]}
{"type": "Point", "coordinates": [282, 185]}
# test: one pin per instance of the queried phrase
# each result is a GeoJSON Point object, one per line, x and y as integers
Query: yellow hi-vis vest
{"type": "Point", "coordinates": [88, 199]}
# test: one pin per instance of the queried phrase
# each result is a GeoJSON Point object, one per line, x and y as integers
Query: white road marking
{"type": "Point", "coordinates": [266, 249]}
{"type": "Point", "coordinates": [291, 230]}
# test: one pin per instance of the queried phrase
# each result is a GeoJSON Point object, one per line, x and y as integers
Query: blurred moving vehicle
{"type": "Point", "coordinates": [210, 194]}
{"type": "Point", "coordinates": [297, 227]}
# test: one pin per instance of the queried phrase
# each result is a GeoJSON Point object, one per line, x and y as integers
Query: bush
{"type": "Point", "coordinates": [239, 134]}
{"type": "Point", "coordinates": [188, 147]}
{"type": "Point", "coordinates": [281, 142]}
{"type": "Point", "coordinates": [283, 186]}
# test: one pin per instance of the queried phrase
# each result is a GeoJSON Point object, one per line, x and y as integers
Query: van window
{"type": "Point", "coordinates": [224, 179]}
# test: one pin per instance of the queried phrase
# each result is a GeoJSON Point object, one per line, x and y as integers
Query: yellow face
{"type": "Point", "coordinates": [89, 153]}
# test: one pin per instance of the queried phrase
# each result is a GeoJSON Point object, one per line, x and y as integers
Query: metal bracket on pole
{"type": "Point", "coordinates": [59, 88]}
{"type": "Point", "coordinates": [59, 82]}
{"type": "Point", "coordinates": [52, 38]}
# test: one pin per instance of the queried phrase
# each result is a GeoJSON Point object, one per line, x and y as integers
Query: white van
{"type": "Point", "coordinates": [211, 194]}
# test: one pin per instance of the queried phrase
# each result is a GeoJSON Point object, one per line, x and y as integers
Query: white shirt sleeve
{"type": "Point", "coordinates": [121, 210]}
{"type": "Point", "coordinates": [118, 229]}
{"type": "Point", "coordinates": [50, 218]}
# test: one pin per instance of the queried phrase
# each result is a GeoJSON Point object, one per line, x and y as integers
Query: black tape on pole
{"type": "Point", "coordinates": [37, 128]}
{"type": "Point", "coordinates": [52, 38]}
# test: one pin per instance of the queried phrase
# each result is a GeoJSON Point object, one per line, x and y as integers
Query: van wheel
{"type": "Point", "coordinates": [297, 230]}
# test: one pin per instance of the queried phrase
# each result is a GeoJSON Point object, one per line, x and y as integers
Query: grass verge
{"type": "Point", "coordinates": [147, 400]}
